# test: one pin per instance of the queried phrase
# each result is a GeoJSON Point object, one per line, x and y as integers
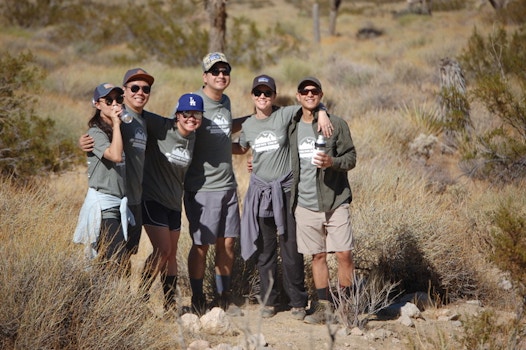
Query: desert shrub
{"type": "Point", "coordinates": [49, 299]}
{"type": "Point", "coordinates": [496, 66]}
{"type": "Point", "coordinates": [171, 31]}
{"type": "Point", "coordinates": [248, 46]}
{"type": "Point", "coordinates": [514, 12]}
{"type": "Point", "coordinates": [509, 242]}
{"type": "Point", "coordinates": [31, 13]}
{"type": "Point", "coordinates": [448, 5]}
{"type": "Point", "coordinates": [486, 331]}
{"type": "Point", "coordinates": [27, 143]}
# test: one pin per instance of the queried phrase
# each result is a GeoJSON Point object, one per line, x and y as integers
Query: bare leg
{"type": "Point", "coordinates": [224, 256]}
{"type": "Point", "coordinates": [172, 258]}
{"type": "Point", "coordinates": [197, 261]}
{"type": "Point", "coordinates": [345, 268]}
{"type": "Point", "coordinates": [320, 270]}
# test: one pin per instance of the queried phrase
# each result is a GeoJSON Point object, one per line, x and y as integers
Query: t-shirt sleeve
{"type": "Point", "coordinates": [101, 142]}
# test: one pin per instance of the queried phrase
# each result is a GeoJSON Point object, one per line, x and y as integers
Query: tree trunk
{"type": "Point", "coordinates": [498, 4]}
{"type": "Point", "coordinates": [335, 5]}
{"type": "Point", "coordinates": [316, 21]}
{"type": "Point", "coordinates": [217, 17]}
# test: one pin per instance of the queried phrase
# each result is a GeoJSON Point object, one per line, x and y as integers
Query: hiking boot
{"type": "Point", "coordinates": [268, 311]}
{"type": "Point", "coordinates": [298, 313]}
{"type": "Point", "coordinates": [199, 305]}
{"type": "Point", "coordinates": [322, 310]}
{"type": "Point", "coordinates": [224, 301]}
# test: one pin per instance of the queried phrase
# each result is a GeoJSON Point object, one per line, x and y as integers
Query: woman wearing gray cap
{"type": "Point", "coordinates": [102, 223]}
{"type": "Point", "coordinates": [268, 197]}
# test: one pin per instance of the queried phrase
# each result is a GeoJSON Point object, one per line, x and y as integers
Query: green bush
{"type": "Point", "coordinates": [509, 242]}
{"type": "Point", "coordinates": [28, 13]}
{"type": "Point", "coordinates": [486, 331]}
{"type": "Point", "coordinates": [497, 68]}
{"type": "Point", "coordinates": [27, 143]}
{"type": "Point", "coordinates": [182, 40]}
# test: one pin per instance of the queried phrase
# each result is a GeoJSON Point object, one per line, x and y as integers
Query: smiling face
{"type": "Point", "coordinates": [217, 78]}
{"type": "Point", "coordinates": [263, 98]}
{"type": "Point", "coordinates": [135, 96]}
{"type": "Point", "coordinates": [309, 96]}
{"type": "Point", "coordinates": [188, 121]}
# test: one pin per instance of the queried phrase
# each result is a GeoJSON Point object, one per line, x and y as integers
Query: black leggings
{"type": "Point", "coordinates": [111, 243]}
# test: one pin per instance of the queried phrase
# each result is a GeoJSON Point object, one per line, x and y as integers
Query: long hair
{"type": "Point", "coordinates": [97, 121]}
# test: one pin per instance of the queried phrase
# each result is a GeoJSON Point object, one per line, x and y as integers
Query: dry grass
{"type": "Point", "coordinates": [414, 222]}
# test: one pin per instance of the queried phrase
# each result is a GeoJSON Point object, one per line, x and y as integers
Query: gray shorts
{"type": "Point", "coordinates": [324, 232]}
{"type": "Point", "coordinates": [211, 215]}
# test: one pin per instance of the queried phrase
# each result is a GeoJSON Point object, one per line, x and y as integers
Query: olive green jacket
{"type": "Point", "coordinates": [332, 183]}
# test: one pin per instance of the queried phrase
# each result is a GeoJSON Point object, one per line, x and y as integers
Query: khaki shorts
{"type": "Point", "coordinates": [324, 232]}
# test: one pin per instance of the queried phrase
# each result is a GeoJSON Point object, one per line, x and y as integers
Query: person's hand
{"type": "Point", "coordinates": [324, 123]}
{"type": "Point", "coordinates": [116, 115]}
{"type": "Point", "coordinates": [249, 164]}
{"type": "Point", "coordinates": [323, 160]}
{"type": "Point", "coordinates": [86, 143]}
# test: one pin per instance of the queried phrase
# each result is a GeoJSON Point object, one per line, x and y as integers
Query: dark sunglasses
{"type": "Point", "coordinates": [146, 89]}
{"type": "Point", "coordinates": [305, 92]}
{"type": "Point", "coordinates": [109, 101]}
{"type": "Point", "coordinates": [257, 92]}
{"type": "Point", "coordinates": [215, 72]}
{"type": "Point", "coordinates": [195, 114]}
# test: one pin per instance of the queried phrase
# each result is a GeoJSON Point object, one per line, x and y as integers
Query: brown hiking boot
{"type": "Point", "coordinates": [322, 310]}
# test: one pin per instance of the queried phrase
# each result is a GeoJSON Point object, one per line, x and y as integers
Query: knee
{"type": "Point", "coordinates": [345, 258]}
{"type": "Point", "coordinates": [165, 252]}
{"type": "Point", "coordinates": [320, 258]}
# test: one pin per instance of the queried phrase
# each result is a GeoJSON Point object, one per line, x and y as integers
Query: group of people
{"type": "Point", "coordinates": [140, 173]}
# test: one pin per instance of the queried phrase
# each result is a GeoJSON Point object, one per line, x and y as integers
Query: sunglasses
{"type": "Point", "coordinates": [215, 72]}
{"type": "Point", "coordinates": [195, 114]}
{"type": "Point", "coordinates": [258, 93]}
{"type": "Point", "coordinates": [305, 92]}
{"type": "Point", "coordinates": [146, 89]}
{"type": "Point", "coordinates": [109, 101]}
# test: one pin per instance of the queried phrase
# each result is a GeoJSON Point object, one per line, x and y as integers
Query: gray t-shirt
{"type": "Point", "coordinates": [268, 139]}
{"type": "Point", "coordinates": [307, 196]}
{"type": "Point", "coordinates": [165, 168]}
{"type": "Point", "coordinates": [211, 167]}
{"type": "Point", "coordinates": [104, 175]}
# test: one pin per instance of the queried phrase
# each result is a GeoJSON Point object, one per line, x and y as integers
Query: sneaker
{"type": "Point", "coordinates": [268, 311]}
{"type": "Point", "coordinates": [321, 310]}
{"type": "Point", "coordinates": [298, 313]}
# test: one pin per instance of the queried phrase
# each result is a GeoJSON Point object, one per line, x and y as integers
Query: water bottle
{"type": "Point", "coordinates": [125, 116]}
{"type": "Point", "coordinates": [319, 148]}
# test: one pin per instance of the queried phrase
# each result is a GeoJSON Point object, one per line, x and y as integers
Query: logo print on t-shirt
{"type": "Point", "coordinates": [139, 141]}
{"type": "Point", "coordinates": [306, 147]}
{"type": "Point", "coordinates": [220, 125]}
{"type": "Point", "coordinates": [266, 141]}
{"type": "Point", "coordinates": [179, 156]}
